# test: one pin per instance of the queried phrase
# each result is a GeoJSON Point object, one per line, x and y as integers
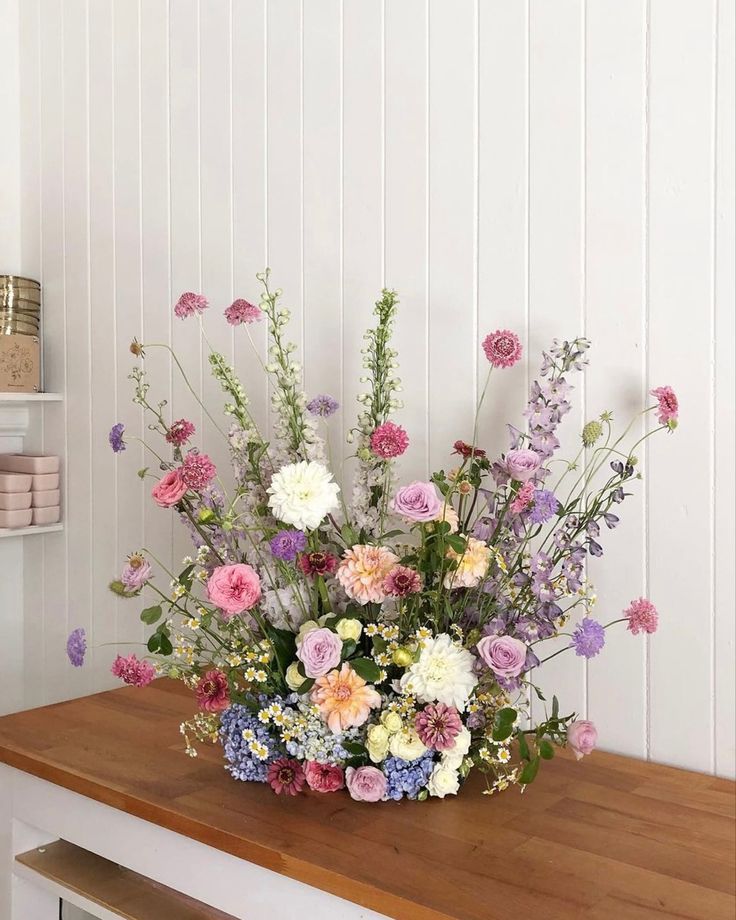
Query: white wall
{"type": "Point", "coordinates": [555, 167]}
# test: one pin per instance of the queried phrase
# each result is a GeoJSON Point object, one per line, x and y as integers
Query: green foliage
{"type": "Point", "coordinates": [151, 615]}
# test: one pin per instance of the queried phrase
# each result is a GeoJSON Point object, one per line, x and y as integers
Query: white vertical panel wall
{"type": "Point", "coordinates": [557, 168]}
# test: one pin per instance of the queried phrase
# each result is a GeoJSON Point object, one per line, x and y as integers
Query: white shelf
{"type": "Point", "coordinates": [29, 531]}
{"type": "Point", "coordinates": [30, 397]}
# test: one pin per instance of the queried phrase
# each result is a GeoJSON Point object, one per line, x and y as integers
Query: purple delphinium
{"type": "Point", "coordinates": [544, 506]}
{"type": "Point", "coordinates": [76, 647]}
{"type": "Point", "coordinates": [589, 638]}
{"type": "Point", "coordinates": [287, 544]}
{"type": "Point", "coordinates": [323, 405]}
{"type": "Point", "coordinates": [116, 437]}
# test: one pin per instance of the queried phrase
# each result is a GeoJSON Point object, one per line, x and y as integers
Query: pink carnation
{"type": "Point", "coordinates": [198, 471]}
{"type": "Point", "coordinates": [240, 311]}
{"type": "Point", "coordinates": [324, 777]}
{"type": "Point", "coordinates": [212, 692]}
{"type": "Point", "coordinates": [189, 304]}
{"type": "Point", "coordinates": [523, 498]}
{"type": "Point", "coordinates": [286, 776]}
{"type": "Point", "coordinates": [133, 671]}
{"type": "Point", "coordinates": [234, 588]}
{"type": "Point", "coordinates": [502, 348]}
{"type": "Point", "coordinates": [180, 432]}
{"type": "Point", "coordinates": [389, 440]}
{"type": "Point", "coordinates": [667, 407]}
{"type": "Point", "coordinates": [438, 725]}
{"type": "Point", "coordinates": [642, 616]}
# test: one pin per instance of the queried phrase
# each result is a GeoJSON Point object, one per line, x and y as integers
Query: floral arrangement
{"type": "Point", "coordinates": [388, 646]}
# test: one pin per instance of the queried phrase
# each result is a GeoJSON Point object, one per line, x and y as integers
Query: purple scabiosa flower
{"type": "Point", "coordinates": [287, 544]}
{"type": "Point", "coordinates": [189, 304]}
{"type": "Point", "coordinates": [76, 647]}
{"type": "Point", "coordinates": [323, 405]}
{"type": "Point", "coordinates": [589, 638]}
{"type": "Point", "coordinates": [116, 437]}
{"type": "Point", "coordinates": [544, 506]}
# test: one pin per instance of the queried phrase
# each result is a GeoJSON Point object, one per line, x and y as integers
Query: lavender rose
{"type": "Point", "coordinates": [582, 736]}
{"type": "Point", "coordinates": [418, 501]}
{"type": "Point", "coordinates": [319, 650]}
{"type": "Point", "coordinates": [504, 655]}
{"type": "Point", "coordinates": [522, 464]}
{"type": "Point", "coordinates": [365, 784]}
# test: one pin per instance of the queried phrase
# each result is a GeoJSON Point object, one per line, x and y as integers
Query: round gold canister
{"type": "Point", "coordinates": [20, 306]}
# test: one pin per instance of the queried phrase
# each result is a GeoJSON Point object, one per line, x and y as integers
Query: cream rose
{"type": "Point", "coordinates": [377, 743]}
{"type": "Point", "coordinates": [349, 628]}
{"type": "Point", "coordinates": [407, 745]}
{"type": "Point", "coordinates": [443, 781]}
{"type": "Point", "coordinates": [294, 679]}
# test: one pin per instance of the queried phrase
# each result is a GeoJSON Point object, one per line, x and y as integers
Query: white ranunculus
{"type": "Point", "coordinates": [301, 494]}
{"type": "Point", "coordinates": [443, 781]}
{"type": "Point", "coordinates": [453, 757]}
{"type": "Point", "coordinates": [443, 673]}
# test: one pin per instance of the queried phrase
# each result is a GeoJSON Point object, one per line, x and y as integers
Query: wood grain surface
{"type": "Point", "coordinates": [607, 838]}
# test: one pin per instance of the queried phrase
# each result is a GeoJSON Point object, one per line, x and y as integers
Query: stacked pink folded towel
{"type": "Point", "coordinates": [29, 490]}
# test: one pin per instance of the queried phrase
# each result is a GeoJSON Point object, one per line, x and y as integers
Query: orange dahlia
{"type": "Point", "coordinates": [344, 699]}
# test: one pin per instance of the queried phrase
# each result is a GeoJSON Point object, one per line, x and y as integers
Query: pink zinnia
{"type": "Point", "coordinates": [240, 311]}
{"type": "Point", "coordinates": [438, 725]}
{"type": "Point", "coordinates": [523, 498]}
{"type": "Point", "coordinates": [132, 671]}
{"type": "Point", "coordinates": [668, 406]}
{"type": "Point", "coordinates": [401, 581]}
{"type": "Point", "coordinates": [212, 691]}
{"type": "Point", "coordinates": [197, 471]}
{"type": "Point", "coordinates": [180, 432]}
{"type": "Point", "coordinates": [189, 304]}
{"type": "Point", "coordinates": [389, 440]}
{"type": "Point", "coordinates": [318, 564]}
{"type": "Point", "coordinates": [324, 777]}
{"type": "Point", "coordinates": [286, 776]}
{"type": "Point", "coordinates": [642, 616]}
{"type": "Point", "coordinates": [502, 348]}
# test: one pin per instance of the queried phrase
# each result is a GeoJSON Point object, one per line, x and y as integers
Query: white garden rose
{"type": "Point", "coordinates": [407, 745]}
{"type": "Point", "coordinates": [301, 494]}
{"type": "Point", "coordinates": [392, 721]}
{"type": "Point", "coordinates": [443, 673]}
{"type": "Point", "coordinates": [453, 757]}
{"type": "Point", "coordinates": [293, 678]}
{"type": "Point", "coordinates": [377, 743]}
{"type": "Point", "coordinates": [443, 781]}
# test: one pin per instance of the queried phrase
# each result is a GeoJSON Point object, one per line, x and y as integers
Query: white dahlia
{"type": "Point", "coordinates": [443, 673]}
{"type": "Point", "coordinates": [301, 494]}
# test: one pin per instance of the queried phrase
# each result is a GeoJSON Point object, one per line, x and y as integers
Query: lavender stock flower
{"type": "Point", "coordinates": [589, 638]}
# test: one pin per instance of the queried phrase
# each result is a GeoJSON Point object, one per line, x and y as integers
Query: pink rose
{"type": "Point", "coordinates": [504, 655]}
{"type": "Point", "coordinates": [169, 490]}
{"type": "Point", "coordinates": [319, 650]}
{"type": "Point", "coordinates": [522, 464]}
{"type": "Point", "coordinates": [582, 736]}
{"type": "Point", "coordinates": [365, 784]}
{"type": "Point", "coordinates": [418, 501]}
{"type": "Point", "coordinates": [324, 777]}
{"type": "Point", "coordinates": [234, 588]}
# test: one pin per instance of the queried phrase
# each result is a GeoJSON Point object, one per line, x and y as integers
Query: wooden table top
{"type": "Point", "coordinates": [609, 837]}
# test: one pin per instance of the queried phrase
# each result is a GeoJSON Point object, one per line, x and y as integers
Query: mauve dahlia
{"type": "Point", "coordinates": [189, 304]}
{"type": "Point", "coordinates": [180, 432]}
{"type": "Point", "coordinates": [438, 725]}
{"type": "Point", "coordinates": [642, 616]}
{"type": "Point", "coordinates": [389, 441]}
{"type": "Point", "coordinates": [502, 348]}
{"type": "Point", "coordinates": [318, 564]}
{"type": "Point", "coordinates": [668, 407]}
{"type": "Point", "coordinates": [197, 471]}
{"type": "Point", "coordinates": [240, 311]}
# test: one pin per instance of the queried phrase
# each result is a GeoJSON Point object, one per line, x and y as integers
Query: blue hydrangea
{"type": "Point", "coordinates": [407, 777]}
{"type": "Point", "coordinates": [242, 764]}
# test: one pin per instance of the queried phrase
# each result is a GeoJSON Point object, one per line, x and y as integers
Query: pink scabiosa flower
{"type": "Point", "coordinates": [523, 498]}
{"type": "Point", "coordinates": [132, 671]}
{"type": "Point", "coordinates": [324, 777]}
{"type": "Point", "coordinates": [286, 776]}
{"type": "Point", "coordinates": [313, 564]}
{"type": "Point", "coordinates": [212, 692]}
{"type": "Point", "coordinates": [240, 311]}
{"type": "Point", "coordinates": [389, 441]}
{"type": "Point", "coordinates": [667, 406]}
{"type": "Point", "coordinates": [438, 725]}
{"type": "Point", "coordinates": [363, 570]}
{"type": "Point", "coordinates": [502, 348]}
{"type": "Point", "coordinates": [180, 432]}
{"type": "Point", "coordinates": [197, 471]}
{"type": "Point", "coordinates": [189, 304]}
{"type": "Point", "coordinates": [401, 581]}
{"type": "Point", "coordinates": [642, 616]}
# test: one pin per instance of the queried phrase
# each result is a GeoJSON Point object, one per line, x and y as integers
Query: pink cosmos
{"type": "Point", "coordinates": [389, 440]}
{"type": "Point", "coordinates": [234, 588]}
{"type": "Point", "coordinates": [523, 498]}
{"type": "Point", "coordinates": [286, 776]}
{"type": "Point", "coordinates": [642, 616]}
{"type": "Point", "coordinates": [401, 581]}
{"type": "Point", "coordinates": [324, 777]}
{"type": "Point", "coordinates": [502, 348]}
{"type": "Point", "coordinates": [240, 311]}
{"type": "Point", "coordinates": [668, 407]}
{"type": "Point", "coordinates": [169, 490]}
{"type": "Point", "coordinates": [198, 471]}
{"type": "Point", "coordinates": [212, 691]}
{"type": "Point", "coordinates": [189, 304]}
{"type": "Point", "coordinates": [133, 671]}
{"type": "Point", "coordinates": [438, 725]}
{"type": "Point", "coordinates": [180, 432]}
